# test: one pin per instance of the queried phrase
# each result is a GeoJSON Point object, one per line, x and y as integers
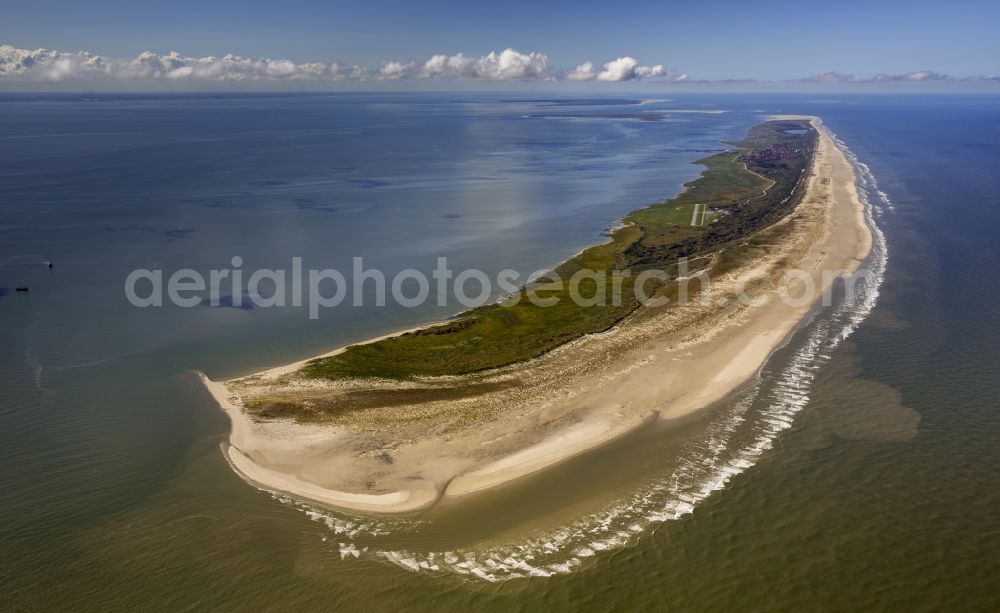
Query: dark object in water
{"type": "Point", "coordinates": [50, 264]}
{"type": "Point", "coordinates": [21, 289]}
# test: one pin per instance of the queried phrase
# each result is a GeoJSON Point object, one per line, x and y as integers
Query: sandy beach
{"type": "Point", "coordinates": [656, 364]}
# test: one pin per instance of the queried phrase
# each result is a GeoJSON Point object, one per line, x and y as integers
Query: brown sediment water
{"type": "Point", "coordinates": [877, 489]}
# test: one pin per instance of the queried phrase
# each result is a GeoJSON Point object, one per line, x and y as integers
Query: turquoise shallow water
{"type": "Point", "coordinates": [882, 494]}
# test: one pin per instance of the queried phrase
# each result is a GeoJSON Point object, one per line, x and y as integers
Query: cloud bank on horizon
{"type": "Point", "coordinates": [47, 65]}
{"type": "Point", "coordinates": [912, 77]}
{"type": "Point", "coordinates": [507, 65]}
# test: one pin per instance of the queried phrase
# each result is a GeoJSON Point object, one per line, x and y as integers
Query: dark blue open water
{"type": "Point", "coordinates": [113, 494]}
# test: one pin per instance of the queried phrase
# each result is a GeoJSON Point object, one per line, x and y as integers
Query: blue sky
{"type": "Point", "coordinates": [706, 40]}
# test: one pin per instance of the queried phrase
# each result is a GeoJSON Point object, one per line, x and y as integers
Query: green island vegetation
{"type": "Point", "coordinates": [741, 191]}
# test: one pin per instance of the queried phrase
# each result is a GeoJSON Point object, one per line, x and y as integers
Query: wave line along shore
{"type": "Point", "coordinates": [655, 364]}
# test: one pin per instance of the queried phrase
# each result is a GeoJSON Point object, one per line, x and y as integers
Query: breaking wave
{"type": "Point", "coordinates": [733, 442]}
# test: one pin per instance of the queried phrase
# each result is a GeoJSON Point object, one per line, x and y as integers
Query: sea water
{"type": "Point", "coordinates": [857, 469]}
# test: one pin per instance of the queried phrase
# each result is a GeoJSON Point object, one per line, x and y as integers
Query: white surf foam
{"type": "Point", "coordinates": [732, 444]}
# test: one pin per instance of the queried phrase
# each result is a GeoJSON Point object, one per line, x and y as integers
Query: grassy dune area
{"type": "Point", "coordinates": [738, 193]}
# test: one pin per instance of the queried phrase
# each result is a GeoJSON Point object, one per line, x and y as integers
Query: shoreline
{"type": "Point", "coordinates": [322, 463]}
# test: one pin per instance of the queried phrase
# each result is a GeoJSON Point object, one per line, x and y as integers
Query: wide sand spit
{"type": "Point", "coordinates": [665, 364]}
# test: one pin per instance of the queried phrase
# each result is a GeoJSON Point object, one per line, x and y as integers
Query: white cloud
{"type": "Point", "coordinates": [50, 65]}
{"type": "Point", "coordinates": [920, 75]}
{"type": "Point", "coordinates": [838, 77]}
{"type": "Point", "coordinates": [831, 77]}
{"type": "Point", "coordinates": [442, 66]}
{"type": "Point", "coordinates": [396, 70]}
{"type": "Point", "coordinates": [583, 72]}
{"type": "Point", "coordinates": [510, 64]}
{"type": "Point", "coordinates": [622, 69]}
{"type": "Point", "coordinates": [506, 65]}
{"type": "Point", "coordinates": [650, 72]}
